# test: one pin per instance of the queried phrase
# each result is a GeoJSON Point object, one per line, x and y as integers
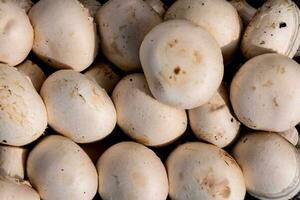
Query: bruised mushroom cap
{"type": "Point", "coordinates": [65, 34]}
{"type": "Point", "coordinates": [182, 63]}
{"type": "Point", "coordinates": [157, 5]}
{"type": "Point", "coordinates": [78, 107]}
{"type": "Point", "coordinates": [131, 171]}
{"type": "Point", "coordinates": [16, 36]}
{"type": "Point", "coordinates": [59, 169]}
{"type": "Point", "coordinates": [263, 93]}
{"type": "Point", "coordinates": [273, 29]}
{"type": "Point", "coordinates": [142, 117]}
{"type": "Point", "coordinates": [291, 135]}
{"type": "Point", "coordinates": [218, 17]}
{"type": "Point", "coordinates": [270, 165]}
{"type": "Point", "coordinates": [203, 171]}
{"type": "Point", "coordinates": [23, 116]}
{"type": "Point", "coordinates": [11, 189]}
{"type": "Point", "coordinates": [122, 33]}
{"type": "Point", "coordinates": [213, 122]}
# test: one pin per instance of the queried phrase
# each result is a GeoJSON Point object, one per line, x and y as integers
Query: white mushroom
{"type": "Point", "coordinates": [102, 73]}
{"type": "Point", "coordinates": [65, 34]}
{"type": "Point", "coordinates": [23, 116]}
{"type": "Point", "coordinates": [270, 164]}
{"type": "Point", "coordinates": [213, 122]}
{"type": "Point", "coordinates": [203, 171]}
{"type": "Point", "coordinates": [157, 5]}
{"type": "Point", "coordinates": [78, 107]}
{"type": "Point", "coordinates": [12, 161]}
{"type": "Point", "coordinates": [142, 117]}
{"type": "Point", "coordinates": [16, 33]}
{"type": "Point", "coordinates": [34, 72]}
{"type": "Point", "coordinates": [59, 169]}
{"type": "Point", "coordinates": [182, 63]}
{"type": "Point", "coordinates": [263, 93]}
{"type": "Point", "coordinates": [122, 26]}
{"type": "Point", "coordinates": [291, 135]}
{"type": "Point", "coordinates": [218, 17]}
{"type": "Point", "coordinates": [131, 171]}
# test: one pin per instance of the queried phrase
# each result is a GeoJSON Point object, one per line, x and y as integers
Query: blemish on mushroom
{"type": "Point", "coordinates": [196, 57]}
{"type": "Point", "coordinates": [173, 43]}
{"type": "Point", "coordinates": [275, 102]}
{"type": "Point", "coordinates": [282, 25]}
{"type": "Point", "coordinates": [214, 108]}
{"type": "Point", "coordinates": [262, 42]}
{"type": "Point", "coordinates": [177, 70]}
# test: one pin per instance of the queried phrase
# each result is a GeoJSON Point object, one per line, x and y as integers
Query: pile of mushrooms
{"type": "Point", "coordinates": [149, 100]}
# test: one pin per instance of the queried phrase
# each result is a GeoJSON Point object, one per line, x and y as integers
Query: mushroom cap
{"type": "Point", "coordinates": [65, 34]}
{"type": "Point", "coordinates": [218, 17]}
{"type": "Point", "coordinates": [270, 165]}
{"type": "Point", "coordinates": [291, 135]}
{"type": "Point", "coordinates": [182, 63]}
{"type": "Point", "coordinates": [14, 189]}
{"type": "Point", "coordinates": [34, 72]}
{"type": "Point", "coordinates": [59, 169]}
{"type": "Point", "coordinates": [16, 36]}
{"type": "Point", "coordinates": [131, 171]}
{"type": "Point", "coordinates": [78, 107]}
{"type": "Point", "coordinates": [202, 171]}
{"type": "Point", "coordinates": [213, 122]}
{"type": "Point", "coordinates": [12, 161]}
{"type": "Point", "coordinates": [23, 116]}
{"type": "Point", "coordinates": [273, 29]}
{"type": "Point", "coordinates": [263, 93]}
{"type": "Point", "coordinates": [142, 117]}
{"type": "Point", "coordinates": [122, 34]}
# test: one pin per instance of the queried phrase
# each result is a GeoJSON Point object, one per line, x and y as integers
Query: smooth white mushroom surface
{"type": "Point", "coordinates": [12, 161]}
{"type": "Point", "coordinates": [202, 171]}
{"type": "Point", "coordinates": [182, 63]}
{"type": "Point", "coordinates": [78, 107]}
{"type": "Point", "coordinates": [122, 27]}
{"type": "Point", "coordinates": [213, 122]}
{"type": "Point", "coordinates": [291, 135]}
{"type": "Point", "coordinates": [64, 34]}
{"type": "Point", "coordinates": [264, 95]}
{"type": "Point", "coordinates": [131, 171]}
{"type": "Point", "coordinates": [270, 165]}
{"type": "Point", "coordinates": [16, 33]}
{"type": "Point", "coordinates": [142, 117]}
{"type": "Point", "coordinates": [218, 17]}
{"type": "Point", "coordinates": [59, 169]}
{"type": "Point", "coordinates": [23, 116]}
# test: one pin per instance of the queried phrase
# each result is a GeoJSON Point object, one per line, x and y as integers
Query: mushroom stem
{"type": "Point", "coordinates": [245, 10]}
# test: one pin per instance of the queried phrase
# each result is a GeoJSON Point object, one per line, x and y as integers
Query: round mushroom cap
{"type": "Point", "coordinates": [131, 171]}
{"type": "Point", "coordinates": [78, 107]}
{"type": "Point", "coordinates": [23, 116]}
{"type": "Point", "coordinates": [263, 93]}
{"type": "Point", "coordinates": [59, 169]}
{"type": "Point", "coordinates": [142, 117]}
{"type": "Point", "coordinates": [64, 34]}
{"type": "Point", "coordinates": [218, 17]}
{"type": "Point", "coordinates": [16, 190]}
{"type": "Point", "coordinates": [291, 135]}
{"type": "Point", "coordinates": [202, 171]}
{"type": "Point", "coordinates": [270, 165]}
{"type": "Point", "coordinates": [16, 36]}
{"type": "Point", "coordinates": [213, 122]}
{"type": "Point", "coordinates": [182, 63]}
{"type": "Point", "coordinates": [273, 29]}
{"type": "Point", "coordinates": [122, 33]}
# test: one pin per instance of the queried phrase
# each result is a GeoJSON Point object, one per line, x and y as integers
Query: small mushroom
{"type": "Point", "coordinates": [270, 165]}
{"type": "Point", "coordinates": [202, 171]}
{"type": "Point", "coordinates": [65, 34]}
{"type": "Point", "coordinates": [12, 161]}
{"type": "Point", "coordinates": [218, 17]}
{"type": "Point", "coordinates": [213, 122]}
{"type": "Point", "coordinates": [78, 107]}
{"type": "Point", "coordinates": [263, 93]}
{"type": "Point", "coordinates": [34, 72]}
{"type": "Point", "coordinates": [103, 74]}
{"type": "Point", "coordinates": [291, 135]}
{"type": "Point", "coordinates": [16, 32]}
{"type": "Point", "coordinates": [142, 117]}
{"type": "Point", "coordinates": [158, 6]}
{"type": "Point", "coordinates": [23, 116]}
{"type": "Point", "coordinates": [59, 169]}
{"type": "Point", "coordinates": [131, 171]}
{"type": "Point", "coordinates": [122, 33]}
{"type": "Point", "coordinates": [182, 63]}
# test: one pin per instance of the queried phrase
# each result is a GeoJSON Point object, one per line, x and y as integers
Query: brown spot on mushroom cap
{"type": "Point", "coordinates": [275, 102]}
{"type": "Point", "coordinates": [173, 43]}
{"type": "Point", "coordinates": [267, 83]}
{"type": "Point", "coordinates": [196, 57]}
{"type": "Point", "coordinates": [177, 70]}
{"type": "Point", "coordinates": [215, 107]}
